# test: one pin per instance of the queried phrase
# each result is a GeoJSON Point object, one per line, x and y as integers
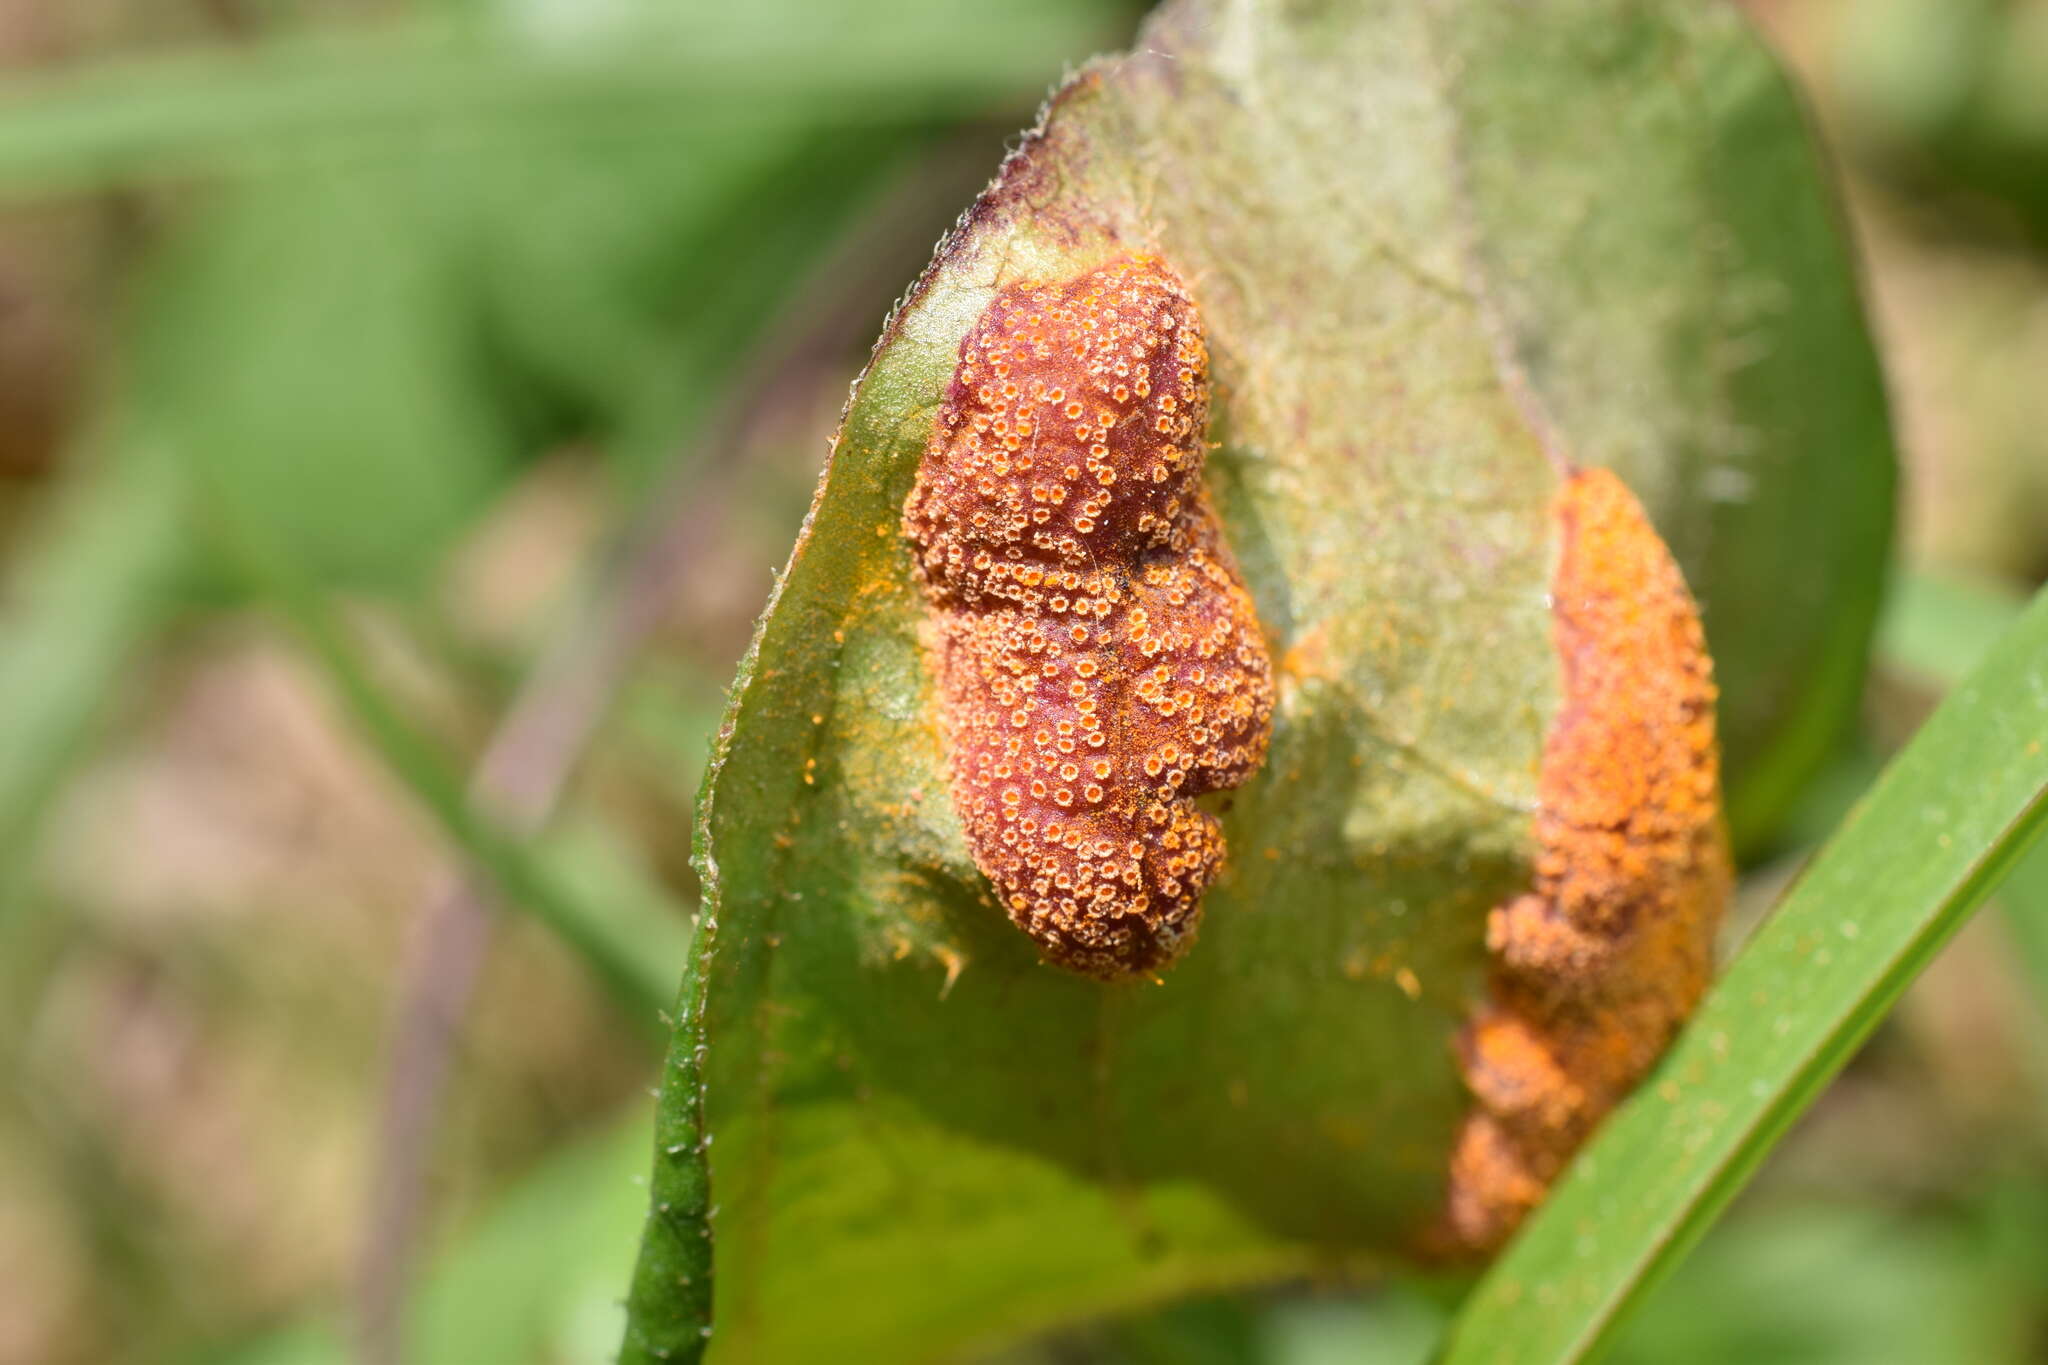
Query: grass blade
{"type": "Point", "coordinates": [211, 108]}
{"type": "Point", "coordinates": [1948, 818]}
{"type": "Point", "coordinates": [88, 599]}
{"type": "Point", "coordinates": [638, 981]}
{"type": "Point", "coordinates": [1935, 630]}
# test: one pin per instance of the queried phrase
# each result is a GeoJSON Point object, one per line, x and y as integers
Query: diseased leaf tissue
{"type": "Point", "coordinates": [1596, 967]}
{"type": "Point", "coordinates": [1100, 664]}
{"type": "Point", "coordinates": [1098, 658]}
{"type": "Point", "coordinates": [1466, 898]}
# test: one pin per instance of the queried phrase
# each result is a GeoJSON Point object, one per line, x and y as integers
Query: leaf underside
{"type": "Point", "coordinates": [922, 1138]}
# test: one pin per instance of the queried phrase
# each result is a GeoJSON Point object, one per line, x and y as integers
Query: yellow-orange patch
{"type": "Point", "coordinates": [1595, 968]}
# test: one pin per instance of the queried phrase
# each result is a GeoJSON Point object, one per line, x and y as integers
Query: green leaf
{"type": "Point", "coordinates": [923, 1138]}
{"type": "Point", "coordinates": [668, 1311]}
{"type": "Point", "coordinates": [628, 282]}
{"type": "Point", "coordinates": [366, 355]}
{"type": "Point", "coordinates": [1948, 819]}
{"type": "Point", "coordinates": [312, 336]}
{"type": "Point", "coordinates": [1683, 304]}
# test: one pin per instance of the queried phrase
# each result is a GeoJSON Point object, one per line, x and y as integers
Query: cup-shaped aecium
{"type": "Point", "coordinates": [1098, 660]}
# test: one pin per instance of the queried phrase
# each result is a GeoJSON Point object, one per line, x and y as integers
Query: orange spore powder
{"type": "Point", "coordinates": [1596, 967]}
{"type": "Point", "coordinates": [1098, 659]}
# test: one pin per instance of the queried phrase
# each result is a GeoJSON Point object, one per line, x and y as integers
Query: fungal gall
{"type": "Point", "coordinates": [1097, 658]}
{"type": "Point", "coordinates": [1595, 968]}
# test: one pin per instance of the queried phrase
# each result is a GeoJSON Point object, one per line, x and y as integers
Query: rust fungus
{"type": "Point", "coordinates": [1098, 660]}
{"type": "Point", "coordinates": [1595, 968]}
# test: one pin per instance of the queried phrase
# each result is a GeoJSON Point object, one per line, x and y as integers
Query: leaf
{"type": "Point", "coordinates": [311, 337]}
{"type": "Point", "coordinates": [1682, 306]}
{"type": "Point", "coordinates": [921, 1137]}
{"type": "Point", "coordinates": [627, 283]}
{"type": "Point", "coordinates": [1950, 816]}
{"type": "Point", "coordinates": [668, 1311]}
{"type": "Point", "coordinates": [368, 354]}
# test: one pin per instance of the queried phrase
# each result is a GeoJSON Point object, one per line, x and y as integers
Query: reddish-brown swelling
{"type": "Point", "coordinates": [1598, 965]}
{"type": "Point", "coordinates": [1098, 661]}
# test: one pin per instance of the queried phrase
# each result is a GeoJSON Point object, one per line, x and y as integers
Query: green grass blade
{"type": "Point", "coordinates": [1949, 817]}
{"type": "Point", "coordinates": [753, 65]}
{"type": "Point", "coordinates": [1936, 629]}
{"type": "Point", "coordinates": [87, 598]}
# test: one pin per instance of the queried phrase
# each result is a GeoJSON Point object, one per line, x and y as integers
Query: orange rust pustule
{"type": "Point", "coordinates": [1596, 967]}
{"type": "Point", "coordinates": [1098, 660]}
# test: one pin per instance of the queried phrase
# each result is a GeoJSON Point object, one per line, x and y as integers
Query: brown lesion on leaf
{"type": "Point", "coordinates": [1594, 969]}
{"type": "Point", "coordinates": [1098, 660]}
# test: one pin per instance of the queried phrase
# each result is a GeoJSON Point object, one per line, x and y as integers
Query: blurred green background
{"type": "Point", "coordinates": [398, 395]}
